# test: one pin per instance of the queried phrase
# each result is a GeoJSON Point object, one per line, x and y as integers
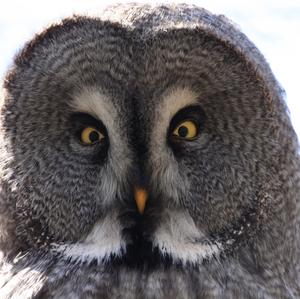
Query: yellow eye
{"type": "Point", "coordinates": [90, 135]}
{"type": "Point", "coordinates": [188, 130]}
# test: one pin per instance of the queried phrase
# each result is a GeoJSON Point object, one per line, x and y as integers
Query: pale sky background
{"type": "Point", "coordinates": [273, 25]}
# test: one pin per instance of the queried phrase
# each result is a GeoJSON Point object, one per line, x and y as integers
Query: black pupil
{"type": "Point", "coordinates": [94, 136]}
{"type": "Point", "coordinates": [183, 131]}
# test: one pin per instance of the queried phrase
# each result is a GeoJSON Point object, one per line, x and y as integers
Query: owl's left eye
{"type": "Point", "coordinates": [186, 125]}
{"type": "Point", "coordinates": [90, 135]}
{"type": "Point", "coordinates": [187, 129]}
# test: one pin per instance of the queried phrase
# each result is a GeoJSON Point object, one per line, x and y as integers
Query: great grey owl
{"type": "Point", "coordinates": [147, 153]}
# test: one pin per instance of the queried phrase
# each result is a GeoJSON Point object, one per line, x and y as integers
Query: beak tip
{"type": "Point", "coordinates": [141, 209]}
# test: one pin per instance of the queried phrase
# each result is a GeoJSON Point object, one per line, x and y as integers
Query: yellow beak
{"type": "Point", "coordinates": [140, 196]}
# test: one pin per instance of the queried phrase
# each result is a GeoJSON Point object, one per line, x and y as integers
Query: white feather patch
{"type": "Point", "coordinates": [24, 284]}
{"type": "Point", "coordinates": [178, 237]}
{"type": "Point", "coordinates": [101, 243]}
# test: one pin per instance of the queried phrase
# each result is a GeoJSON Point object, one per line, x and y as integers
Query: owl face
{"type": "Point", "coordinates": [97, 113]}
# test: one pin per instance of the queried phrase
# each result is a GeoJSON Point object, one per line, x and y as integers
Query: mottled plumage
{"type": "Point", "coordinates": [222, 217]}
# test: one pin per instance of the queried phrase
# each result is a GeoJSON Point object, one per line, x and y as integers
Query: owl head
{"type": "Point", "coordinates": [149, 138]}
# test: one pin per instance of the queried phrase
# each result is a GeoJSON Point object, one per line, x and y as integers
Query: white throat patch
{"type": "Point", "coordinates": [100, 244]}
{"type": "Point", "coordinates": [178, 237]}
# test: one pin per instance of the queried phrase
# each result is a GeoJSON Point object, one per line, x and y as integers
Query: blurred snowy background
{"type": "Point", "coordinates": [273, 25]}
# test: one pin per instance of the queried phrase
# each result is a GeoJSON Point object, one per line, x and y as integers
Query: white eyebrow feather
{"type": "Point", "coordinates": [171, 102]}
{"type": "Point", "coordinates": [96, 103]}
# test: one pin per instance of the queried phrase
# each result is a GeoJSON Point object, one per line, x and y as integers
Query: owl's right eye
{"type": "Point", "coordinates": [90, 135]}
{"type": "Point", "coordinates": [89, 130]}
